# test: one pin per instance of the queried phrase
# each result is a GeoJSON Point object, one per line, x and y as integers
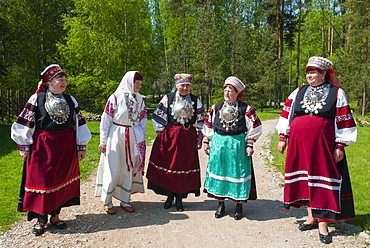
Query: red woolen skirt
{"type": "Point", "coordinates": [52, 175]}
{"type": "Point", "coordinates": [174, 162]}
{"type": "Point", "coordinates": [312, 178]}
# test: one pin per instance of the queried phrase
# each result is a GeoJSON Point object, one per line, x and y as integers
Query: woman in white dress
{"type": "Point", "coordinates": [122, 144]}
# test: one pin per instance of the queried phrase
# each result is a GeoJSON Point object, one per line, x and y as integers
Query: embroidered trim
{"type": "Point", "coordinates": [230, 179]}
{"type": "Point", "coordinates": [50, 190]}
{"type": "Point", "coordinates": [24, 148]}
{"type": "Point", "coordinates": [328, 179]}
{"type": "Point", "coordinates": [306, 177]}
{"type": "Point", "coordinates": [282, 138]}
{"type": "Point", "coordinates": [133, 108]}
{"type": "Point", "coordinates": [297, 202]}
{"type": "Point", "coordinates": [120, 186]}
{"type": "Point", "coordinates": [81, 147]}
{"type": "Point", "coordinates": [172, 171]}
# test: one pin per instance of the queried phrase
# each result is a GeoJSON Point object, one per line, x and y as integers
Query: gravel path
{"type": "Point", "coordinates": [264, 224]}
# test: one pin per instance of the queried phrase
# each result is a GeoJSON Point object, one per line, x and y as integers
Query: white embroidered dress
{"type": "Point", "coordinates": [122, 130]}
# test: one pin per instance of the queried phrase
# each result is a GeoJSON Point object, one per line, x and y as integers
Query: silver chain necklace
{"type": "Point", "coordinates": [314, 98]}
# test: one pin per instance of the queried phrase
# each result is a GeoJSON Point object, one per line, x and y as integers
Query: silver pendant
{"type": "Point", "coordinates": [57, 108]}
{"type": "Point", "coordinates": [229, 115]}
{"type": "Point", "coordinates": [314, 98]}
{"type": "Point", "coordinates": [182, 109]}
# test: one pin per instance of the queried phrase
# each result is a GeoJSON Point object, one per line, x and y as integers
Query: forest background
{"type": "Point", "coordinates": [264, 43]}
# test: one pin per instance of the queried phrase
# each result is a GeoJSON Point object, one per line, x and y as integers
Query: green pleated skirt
{"type": "Point", "coordinates": [229, 171]}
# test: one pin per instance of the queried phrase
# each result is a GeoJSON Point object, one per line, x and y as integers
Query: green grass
{"type": "Point", "coordinates": [358, 156]}
{"type": "Point", "coordinates": [268, 114]}
{"type": "Point", "coordinates": [10, 177]}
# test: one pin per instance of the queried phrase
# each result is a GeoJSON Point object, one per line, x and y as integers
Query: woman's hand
{"type": "Point", "coordinates": [206, 148]}
{"type": "Point", "coordinates": [25, 155]}
{"type": "Point", "coordinates": [338, 155]}
{"type": "Point", "coordinates": [199, 140]}
{"type": "Point", "coordinates": [81, 155]}
{"type": "Point", "coordinates": [281, 146]}
{"type": "Point", "coordinates": [102, 148]}
{"type": "Point", "coordinates": [249, 151]}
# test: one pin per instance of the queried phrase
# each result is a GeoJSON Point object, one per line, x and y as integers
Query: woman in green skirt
{"type": "Point", "coordinates": [230, 130]}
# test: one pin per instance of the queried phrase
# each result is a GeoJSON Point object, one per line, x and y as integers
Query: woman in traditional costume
{"type": "Point", "coordinates": [122, 144]}
{"type": "Point", "coordinates": [51, 134]}
{"type": "Point", "coordinates": [317, 121]}
{"type": "Point", "coordinates": [173, 168]}
{"type": "Point", "coordinates": [230, 130]}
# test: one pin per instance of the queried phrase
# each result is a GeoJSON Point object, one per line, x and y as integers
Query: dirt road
{"type": "Point", "coordinates": [264, 224]}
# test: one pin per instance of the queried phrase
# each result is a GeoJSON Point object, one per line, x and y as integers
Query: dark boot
{"type": "Point", "coordinates": [238, 211]}
{"type": "Point", "coordinates": [168, 203]}
{"type": "Point", "coordinates": [220, 210]}
{"type": "Point", "coordinates": [179, 205]}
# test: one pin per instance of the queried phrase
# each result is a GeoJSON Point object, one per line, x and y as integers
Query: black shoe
{"type": "Point", "coordinates": [179, 206]}
{"type": "Point", "coordinates": [238, 211]}
{"type": "Point", "coordinates": [38, 231]}
{"type": "Point", "coordinates": [168, 204]}
{"type": "Point", "coordinates": [220, 210]}
{"type": "Point", "coordinates": [326, 239]}
{"type": "Point", "coordinates": [305, 227]}
{"type": "Point", "coordinates": [60, 224]}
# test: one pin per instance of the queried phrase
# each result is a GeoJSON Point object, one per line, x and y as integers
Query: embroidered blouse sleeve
{"type": "Point", "coordinates": [254, 126]}
{"type": "Point", "coordinates": [159, 118]}
{"type": "Point", "coordinates": [207, 128]}
{"type": "Point", "coordinates": [345, 126]}
{"type": "Point", "coordinates": [286, 116]}
{"type": "Point", "coordinates": [82, 131]}
{"type": "Point", "coordinates": [24, 126]}
{"type": "Point", "coordinates": [201, 115]}
{"type": "Point", "coordinates": [106, 118]}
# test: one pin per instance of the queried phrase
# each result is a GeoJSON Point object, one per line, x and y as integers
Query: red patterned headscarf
{"type": "Point", "coordinates": [323, 64]}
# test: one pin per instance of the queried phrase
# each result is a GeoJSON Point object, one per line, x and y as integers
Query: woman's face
{"type": "Point", "coordinates": [58, 84]}
{"type": "Point", "coordinates": [183, 89]}
{"type": "Point", "coordinates": [137, 85]}
{"type": "Point", "coordinates": [315, 77]}
{"type": "Point", "coordinates": [230, 94]}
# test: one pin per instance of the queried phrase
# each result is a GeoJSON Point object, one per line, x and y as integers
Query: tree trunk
{"type": "Point", "coordinates": [363, 112]}
{"type": "Point", "coordinates": [298, 43]}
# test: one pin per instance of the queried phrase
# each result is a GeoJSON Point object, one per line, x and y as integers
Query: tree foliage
{"type": "Point", "coordinates": [264, 43]}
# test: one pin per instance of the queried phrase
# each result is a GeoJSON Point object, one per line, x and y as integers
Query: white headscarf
{"type": "Point", "coordinates": [127, 86]}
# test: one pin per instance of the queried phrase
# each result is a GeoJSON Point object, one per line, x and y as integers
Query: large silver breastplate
{"type": "Point", "coordinates": [314, 98]}
{"type": "Point", "coordinates": [57, 108]}
{"type": "Point", "coordinates": [229, 114]}
{"type": "Point", "coordinates": [182, 109]}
